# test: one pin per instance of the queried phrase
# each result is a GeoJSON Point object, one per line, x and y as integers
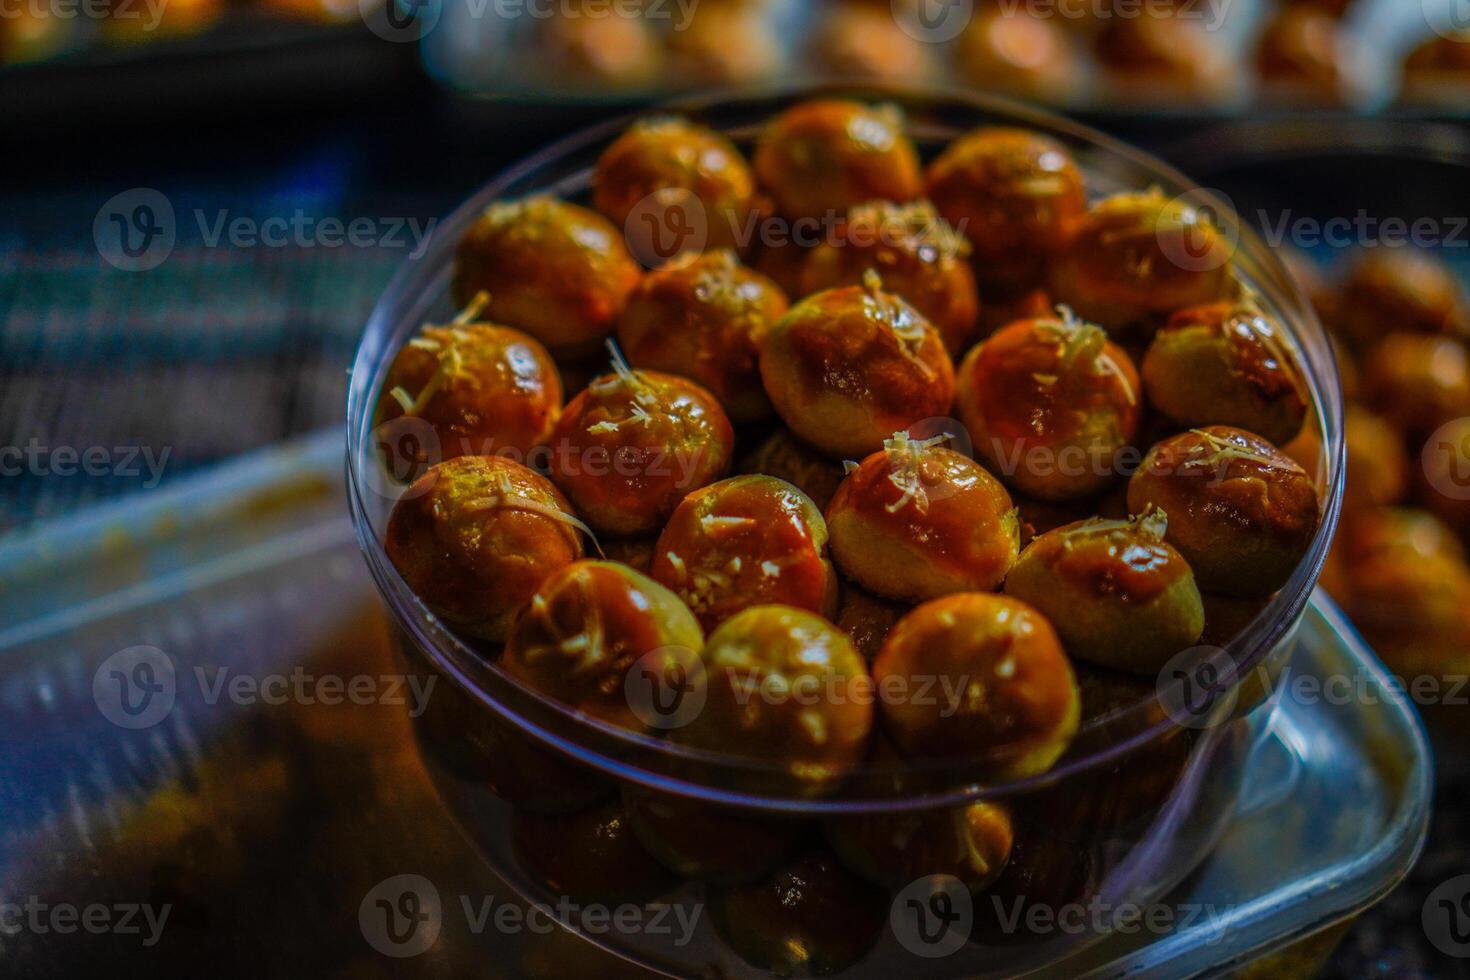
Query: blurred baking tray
{"type": "Point", "coordinates": [247, 58]}
{"type": "Point", "coordinates": [264, 826]}
{"type": "Point", "coordinates": [501, 58]}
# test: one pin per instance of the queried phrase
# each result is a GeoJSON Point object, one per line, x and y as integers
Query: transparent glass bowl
{"type": "Point", "coordinates": [1139, 794]}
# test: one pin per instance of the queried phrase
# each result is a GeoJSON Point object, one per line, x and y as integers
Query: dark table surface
{"type": "Point", "coordinates": [223, 348]}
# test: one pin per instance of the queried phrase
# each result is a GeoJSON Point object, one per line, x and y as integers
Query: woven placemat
{"type": "Point", "coordinates": [114, 381]}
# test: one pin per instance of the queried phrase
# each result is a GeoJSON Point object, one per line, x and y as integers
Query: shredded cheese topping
{"type": "Point", "coordinates": [906, 454]}
{"type": "Point", "coordinates": [510, 499]}
{"type": "Point", "coordinates": [624, 377]}
{"type": "Point", "coordinates": [1226, 451]}
{"type": "Point", "coordinates": [472, 309]}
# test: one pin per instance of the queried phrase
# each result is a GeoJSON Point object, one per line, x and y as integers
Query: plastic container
{"type": "Point", "coordinates": [1134, 806]}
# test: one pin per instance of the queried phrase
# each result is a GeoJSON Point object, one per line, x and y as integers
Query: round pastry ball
{"type": "Point", "coordinates": [857, 41]}
{"type": "Point", "coordinates": [705, 842]}
{"type": "Point", "coordinates": [665, 153]}
{"type": "Point", "coordinates": [1377, 463]}
{"type": "Point", "coordinates": [474, 745]}
{"type": "Point", "coordinates": [1136, 256]}
{"type": "Point", "coordinates": [1400, 290]}
{"type": "Point", "coordinates": [584, 53]}
{"type": "Point", "coordinates": [780, 258]}
{"type": "Point", "coordinates": [1047, 870]}
{"type": "Point", "coordinates": [786, 457]}
{"type": "Point", "coordinates": [1031, 305]}
{"type": "Point", "coordinates": [1015, 195]}
{"type": "Point", "coordinates": [746, 541]}
{"type": "Point", "coordinates": [1227, 364]}
{"type": "Point", "coordinates": [783, 686]}
{"type": "Point", "coordinates": [1335, 8]}
{"type": "Point", "coordinates": [586, 627]}
{"type": "Point", "coordinates": [1225, 619]}
{"type": "Point", "coordinates": [725, 46]}
{"type": "Point", "coordinates": [592, 856]}
{"type": "Point", "coordinates": [1161, 58]}
{"type": "Point", "coordinates": [819, 158]}
{"type": "Point", "coordinates": [812, 917]}
{"type": "Point", "coordinates": [970, 843]}
{"type": "Point", "coordinates": [636, 552]}
{"type": "Point", "coordinates": [630, 446]}
{"type": "Point", "coordinates": [1417, 381]}
{"type": "Point", "coordinates": [1019, 53]}
{"type": "Point", "coordinates": [484, 389]}
{"type": "Point", "coordinates": [917, 254]}
{"type": "Point", "coordinates": [867, 618]}
{"type": "Point", "coordinates": [1367, 532]}
{"type": "Point", "coordinates": [1049, 404]}
{"type": "Point", "coordinates": [1437, 71]}
{"type": "Point", "coordinates": [847, 367]}
{"type": "Point", "coordinates": [476, 536]}
{"type": "Point", "coordinates": [1118, 594]}
{"type": "Point", "coordinates": [915, 520]}
{"type": "Point", "coordinates": [1411, 607]}
{"type": "Point", "coordinates": [1304, 56]}
{"type": "Point", "coordinates": [558, 271]}
{"type": "Point", "coordinates": [704, 317]}
{"type": "Point", "coordinates": [1012, 703]}
{"type": "Point", "coordinates": [1241, 512]}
